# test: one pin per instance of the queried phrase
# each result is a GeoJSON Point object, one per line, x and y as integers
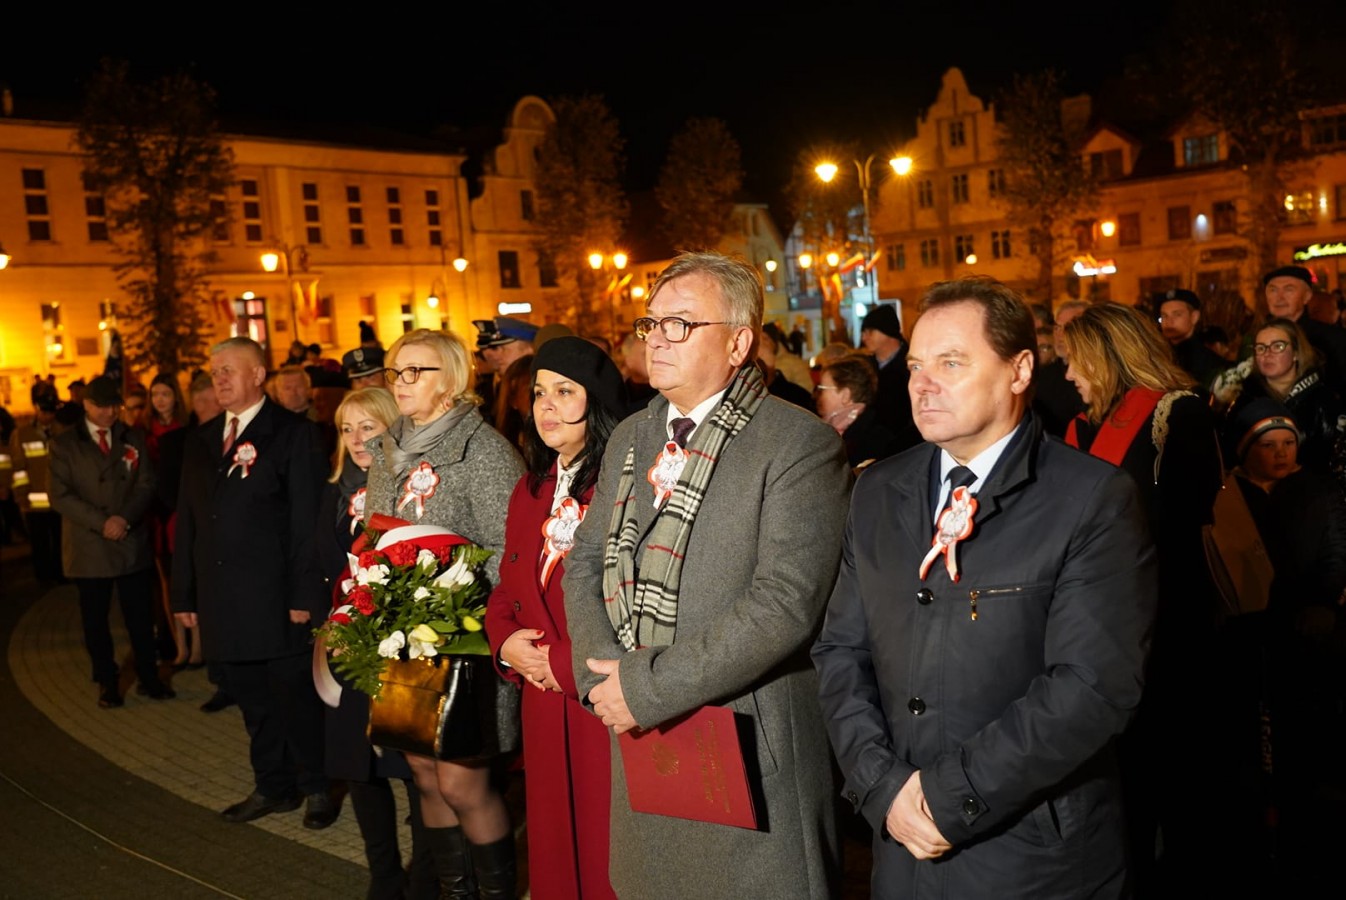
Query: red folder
{"type": "Point", "coordinates": [691, 768]}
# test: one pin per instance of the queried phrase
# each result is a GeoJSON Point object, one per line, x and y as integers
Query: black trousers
{"type": "Point", "coordinates": [95, 602]}
{"type": "Point", "coordinates": [283, 716]}
{"type": "Point", "coordinates": [44, 536]}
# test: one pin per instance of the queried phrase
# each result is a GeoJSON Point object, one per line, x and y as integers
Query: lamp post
{"type": "Point", "coordinates": [826, 171]}
{"type": "Point", "coordinates": [287, 259]}
{"type": "Point", "coordinates": [616, 264]}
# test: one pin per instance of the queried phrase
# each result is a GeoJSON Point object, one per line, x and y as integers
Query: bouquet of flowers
{"type": "Point", "coordinates": [421, 591]}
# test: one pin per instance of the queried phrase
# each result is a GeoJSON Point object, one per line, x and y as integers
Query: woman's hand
{"type": "Point", "coordinates": [521, 652]}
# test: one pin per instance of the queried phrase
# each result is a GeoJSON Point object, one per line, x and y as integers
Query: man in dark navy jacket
{"type": "Point", "coordinates": [245, 571]}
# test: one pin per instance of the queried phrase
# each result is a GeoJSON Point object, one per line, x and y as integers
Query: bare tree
{"type": "Point", "coordinates": [155, 155]}
{"type": "Point", "coordinates": [698, 183]}
{"type": "Point", "coordinates": [581, 206]}
{"type": "Point", "coordinates": [1046, 183]}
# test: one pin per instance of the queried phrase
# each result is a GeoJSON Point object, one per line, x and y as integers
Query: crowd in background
{"type": "Point", "coordinates": [1244, 704]}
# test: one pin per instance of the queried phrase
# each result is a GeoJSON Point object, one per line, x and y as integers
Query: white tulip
{"type": "Point", "coordinates": [390, 646]}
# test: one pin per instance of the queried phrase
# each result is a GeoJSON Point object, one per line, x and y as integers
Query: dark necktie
{"type": "Point", "coordinates": [103, 445]}
{"type": "Point", "coordinates": [232, 435]}
{"type": "Point", "coordinates": [682, 428]}
{"type": "Point", "coordinates": [959, 476]}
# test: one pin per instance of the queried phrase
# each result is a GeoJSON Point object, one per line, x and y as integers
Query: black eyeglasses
{"type": "Point", "coordinates": [409, 375]}
{"type": "Point", "coordinates": [673, 329]}
{"type": "Point", "coordinates": [1273, 347]}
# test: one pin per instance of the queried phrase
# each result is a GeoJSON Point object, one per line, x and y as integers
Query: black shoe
{"type": "Point", "coordinates": [109, 697]}
{"type": "Point", "coordinates": [321, 811]}
{"type": "Point", "coordinates": [156, 690]}
{"type": "Point", "coordinates": [218, 701]}
{"type": "Point", "coordinates": [257, 805]}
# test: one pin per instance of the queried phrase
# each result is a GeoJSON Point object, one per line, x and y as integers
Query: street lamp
{"type": "Point", "coordinates": [826, 171]}
{"type": "Point", "coordinates": [4, 257]}
{"type": "Point", "coordinates": [617, 264]}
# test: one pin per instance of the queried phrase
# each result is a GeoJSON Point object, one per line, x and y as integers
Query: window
{"type": "Point", "coordinates": [957, 134]}
{"type": "Point", "coordinates": [963, 248]}
{"type": "Point", "coordinates": [1327, 130]}
{"type": "Point", "coordinates": [897, 257]}
{"type": "Point", "coordinates": [312, 213]}
{"type": "Point", "coordinates": [930, 253]}
{"type": "Point", "coordinates": [1128, 229]}
{"type": "Point", "coordinates": [219, 219]}
{"type": "Point", "coordinates": [995, 182]}
{"type": "Point", "coordinates": [323, 319]}
{"type": "Point", "coordinates": [546, 270]}
{"type": "Point", "coordinates": [252, 211]}
{"type": "Point", "coordinates": [1299, 208]}
{"type": "Point", "coordinates": [1225, 217]}
{"type": "Point", "coordinates": [509, 268]}
{"type": "Point", "coordinates": [925, 193]}
{"type": "Point", "coordinates": [1201, 150]}
{"type": "Point", "coordinates": [407, 315]}
{"type": "Point", "coordinates": [1106, 165]}
{"type": "Point", "coordinates": [355, 215]}
{"type": "Point", "coordinates": [396, 236]}
{"type": "Point", "coordinates": [436, 234]}
{"type": "Point", "coordinates": [95, 214]}
{"type": "Point", "coordinates": [959, 185]}
{"type": "Point", "coordinates": [1179, 223]}
{"type": "Point", "coordinates": [35, 204]}
{"type": "Point", "coordinates": [53, 331]}
{"type": "Point", "coordinates": [1083, 232]}
{"type": "Point", "coordinates": [526, 205]}
{"type": "Point", "coordinates": [1000, 244]}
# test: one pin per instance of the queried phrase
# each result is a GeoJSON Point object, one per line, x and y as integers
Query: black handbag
{"type": "Point", "coordinates": [437, 706]}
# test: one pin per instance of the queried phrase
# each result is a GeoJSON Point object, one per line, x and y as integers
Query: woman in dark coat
{"type": "Point", "coordinates": [578, 397]}
{"type": "Point", "coordinates": [845, 394]}
{"type": "Point", "coordinates": [1143, 416]}
{"type": "Point", "coordinates": [361, 415]}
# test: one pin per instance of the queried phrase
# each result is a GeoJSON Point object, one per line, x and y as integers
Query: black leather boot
{"type": "Point", "coordinates": [495, 868]}
{"type": "Point", "coordinates": [452, 862]}
{"type": "Point", "coordinates": [376, 812]}
{"type": "Point", "coordinates": [422, 879]}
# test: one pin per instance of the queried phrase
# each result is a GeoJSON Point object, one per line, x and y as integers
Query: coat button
{"type": "Point", "coordinates": [924, 597]}
{"type": "Point", "coordinates": [513, 557]}
{"type": "Point", "coordinates": [971, 807]}
{"type": "Point", "coordinates": [517, 606]}
{"type": "Point", "coordinates": [850, 795]}
{"type": "Point", "coordinates": [916, 705]}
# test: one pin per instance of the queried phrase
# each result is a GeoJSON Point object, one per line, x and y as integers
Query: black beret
{"type": "Point", "coordinates": [1299, 272]}
{"type": "Point", "coordinates": [584, 363]}
{"type": "Point", "coordinates": [1181, 294]}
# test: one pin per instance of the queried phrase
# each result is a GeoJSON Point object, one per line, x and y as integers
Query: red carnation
{"type": "Point", "coordinates": [401, 555]}
{"type": "Point", "coordinates": [341, 618]}
{"type": "Point", "coordinates": [362, 598]}
{"type": "Point", "coordinates": [369, 559]}
{"type": "Point", "coordinates": [444, 553]}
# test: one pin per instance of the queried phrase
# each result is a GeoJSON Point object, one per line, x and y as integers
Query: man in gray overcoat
{"type": "Point", "coordinates": [976, 666]}
{"type": "Point", "coordinates": [699, 577]}
{"type": "Point", "coordinates": [102, 485]}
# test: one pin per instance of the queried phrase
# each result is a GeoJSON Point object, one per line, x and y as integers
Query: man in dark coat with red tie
{"type": "Point", "coordinates": [975, 668]}
{"type": "Point", "coordinates": [245, 572]}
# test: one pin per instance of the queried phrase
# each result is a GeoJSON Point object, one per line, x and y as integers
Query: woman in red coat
{"type": "Point", "coordinates": [578, 396]}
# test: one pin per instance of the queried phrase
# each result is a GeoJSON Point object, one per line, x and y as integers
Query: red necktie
{"type": "Point", "coordinates": [232, 435]}
{"type": "Point", "coordinates": [103, 445]}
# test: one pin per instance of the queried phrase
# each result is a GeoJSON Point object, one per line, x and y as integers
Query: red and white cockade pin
{"type": "Point", "coordinates": [131, 456]}
{"type": "Point", "coordinates": [420, 487]}
{"type": "Point", "coordinates": [955, 523]}
{"type": "Point", "coordinates": [356, 508]}
{"type": "Point", "coordinates": [558, 534]}
{"type": "Point", "coordinates": [244, 456]}
{"type": "Point", "coordinates": [666, 471]}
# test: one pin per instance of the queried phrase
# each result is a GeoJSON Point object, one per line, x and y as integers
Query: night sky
{"type": "Point", "coordinates": [782, 81]}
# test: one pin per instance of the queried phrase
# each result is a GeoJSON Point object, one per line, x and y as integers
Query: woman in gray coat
{"type": "Point", "coordinates": [441, 464]}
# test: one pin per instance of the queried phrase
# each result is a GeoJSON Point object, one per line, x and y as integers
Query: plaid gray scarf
{"type": "Point", "coordinates": [643, 605]}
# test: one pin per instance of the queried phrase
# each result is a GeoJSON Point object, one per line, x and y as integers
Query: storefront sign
{"type": "Point", "coordinates": [1314, 251]}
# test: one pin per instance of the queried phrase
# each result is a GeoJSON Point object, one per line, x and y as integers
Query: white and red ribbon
{"type": "Point", "coordinates": [666, 471]}
{"type": "Point", "coordinates": [356, 508]}
{"type": "Point", "coordinates": [245, 455]}
{"type": "Point", "coordinates": [420, 487]}
{"type": "Point", "coordinates": [131, 456]}
{"type": "Point", "coordinates": [955, 524]}
{"type": "Point", "coordinates": [558, 535]}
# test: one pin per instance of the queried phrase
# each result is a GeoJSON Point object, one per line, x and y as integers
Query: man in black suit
{"type": "Point", "coordinates": [245, 571]}
{"type": "Point", "coordinates": [1288, 291]}
{"type": "Point", "coordinates": [881, 334]}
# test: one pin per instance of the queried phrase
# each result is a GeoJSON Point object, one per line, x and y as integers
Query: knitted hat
{"type": "Point", "coordinates": [1256, 419]}
{"type": "Point", "coordinates": [883, 318]}
{"type": "Point", "coordinates": [583, 362]}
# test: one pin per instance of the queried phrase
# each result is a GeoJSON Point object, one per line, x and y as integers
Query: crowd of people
{"type": "Point", "coordinates": [970, 587]}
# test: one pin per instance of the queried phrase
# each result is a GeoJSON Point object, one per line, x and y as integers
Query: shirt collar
{"type": "Point", "coordinates": [981, 464]}
{"type": "Point", "coordinates": [244, 418]}
{"type": "Point", "coordinates": [697, 415]}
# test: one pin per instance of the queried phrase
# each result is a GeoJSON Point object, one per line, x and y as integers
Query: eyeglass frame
{"type": "Point", "coordinates": [393, 376]}
{"type": "Point", "coordinates": [1264, 349]}
{"type": "Point", "coordinates": [659, 323]}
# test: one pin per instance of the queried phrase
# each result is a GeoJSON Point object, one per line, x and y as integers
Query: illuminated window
{"type": "Point", "coordinates": [53, 333]}
{"type": "Point", "coordinates": [509, 269]}
{"type": "Point", "coordinates": [1299, 208]}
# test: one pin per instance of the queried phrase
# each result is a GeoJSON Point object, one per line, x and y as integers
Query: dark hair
{"type": "Point", "coordinates": [538, 457]}
{"type": "Point", "coordinates": [1009, 324]}
{"type": "Point", "coordinates": [170, 381]}
{"type": "Point", "coordinates": [857, 373]}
